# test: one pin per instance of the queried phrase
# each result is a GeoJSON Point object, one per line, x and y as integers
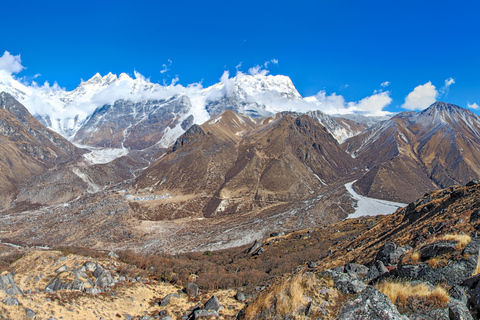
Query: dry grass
{"type": "Point", "coordinates": [461, 239]}
{"type": "Point", "coordinates": [287, 298]}
{"type": "Point", "coordinates": [437, 262]}
{"type": "Point", "coordinates": [405, 294]}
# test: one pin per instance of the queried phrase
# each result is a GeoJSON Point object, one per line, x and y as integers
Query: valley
{"type": "Point", "coordinates": [230, 188]}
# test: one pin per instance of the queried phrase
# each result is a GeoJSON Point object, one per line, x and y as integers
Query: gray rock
{"type": "Point", "coordinates": [347, 283]}
{"type": "Point", "coordinates": [30, 313]}
{"type": "Point", "coordinates": [390, 253]}
{"type": "Point", "coordinates": [112, 254]}
{"type": "Point", "coordinates": [212, 304]}
{"type": "Point", "coordinates": [146, 318]}
{"type": "Point", "coordinates": [98, 271]}
{"type": "Point", "coordinates": [455, 272]}
{"type": "Point", "coordinates": [434, 314]}
{"type": "Point", "coordinates": [240, 296]}
{"type": "Point", "coordinates": [370, 304]}
{"type": "Point", "coordinates": [355, 268]}
{"type": "Point", "coordinates": [384, 253]}
{"type": "Point", "coordinates": [10, 301]}
{"type": "Point", "coordinates": [63, 268]}
{"type": "Point", "coordinates": [192, 290]}
{"type": "Point", "coordinates": [6, 282]}
{"type": "Point", "coordinates": [202, 313]}
{"type": "Point", "coordinates": [458, 310]}
{"type": "Point", "coordinates": [69, 280]}
{"type": "Point", "coordinates": [458, 293]}
{"type": "Point", "coordinates": [437, 249]}
{"type": "Point", "coordinates": [166, 318]}
{"type": "Point", "coordinates": [165, 301]}
{"type": "Point", "coordinates": [376, 271]}
{"type": "Point", "coordinates": [90, 266]}
{"type": "Point", "coordinates": [277, 234]}
{"type": "Point", "coordinates": [256, 245]}
{"type": "Point", "coordinates": [312, 264]}
{"type": "Point", "coordinates": [104, 280]}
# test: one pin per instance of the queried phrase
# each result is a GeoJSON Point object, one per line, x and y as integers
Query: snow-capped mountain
{"type": "Point", "coordinates": [122, 112]}
{"type": "Point", "coordinates": [414, 152]}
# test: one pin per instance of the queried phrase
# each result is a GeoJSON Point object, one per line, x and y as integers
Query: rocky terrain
{"type": "Point", "coordinates": [418, 263]}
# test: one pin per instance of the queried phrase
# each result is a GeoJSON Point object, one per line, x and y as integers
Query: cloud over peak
{"type": "Point", "coordinates": [10, 63]}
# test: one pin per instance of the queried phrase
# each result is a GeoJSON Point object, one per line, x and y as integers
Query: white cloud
{"type": "Point", "coordinates": [385, 84]}
{"type": "Point", "coordinates": [257, 70]}
{"type": "Point", "coordinates": [11, 64]}
{"type": "Point", "coordinates": [274, 61]}
{"type": "Point", "coordinates": [165, 66]}
{"type": "Point", "coordinates": [238, 66]}
{"type": "Point", "coordinates": [473, 105]}
{"type": "Point", "coordinates": [446, 86]}
{"type": "Point", "coordinates": [372, 105]}
{"type": "Point", "coordinates": [421, 97]}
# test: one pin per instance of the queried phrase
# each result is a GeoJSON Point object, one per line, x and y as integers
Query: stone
{"type": "Point", "coordinates": [10, 301]}
{"type": "Point", "coordinates": [90, 266]}
{"type": "Point", "coordinates": [370, 304]}
{"type": "Point", "coordinates": [63, 268]}
{"type": "Point", "coordinates": [376, 271]}
{"type": "Point", "coordinates": [165, 301]}
{"type": "Point", "coordinates": [312, 264]}
{"type": "Point", "coordinates": [112, 254]}
{"type": "Point", "coordinates": [458, 310]}
{"type": "Point", "coordinates": [30, 313]}
{"type": "Point", "coordinates": [240, 296]}
{"type": "Point", "coordinates": [355, 268]}
{"type": "Point", "coordinates": [70, 280]}
{"type": "Point", "coordinates": [384, 253]}
{"type": "Point", "coordinates": [347, 283]}
{"type": "Point", "coordinates": [256, 245]}
{"type": "Point", "coordinates": [437, 249]}
{"type": "Point", "coordinates": [192, 290]}
{"type": "Point", "coordinates": [202, 313]}
{"type": "Point", "coordinates": [458, 293]}
{"type": "Point", "coordinates": [212, 304]}
{"type": "Point", "coordinates": [277, 234]}
{"type": "Point", "coordinates": [6, 282]}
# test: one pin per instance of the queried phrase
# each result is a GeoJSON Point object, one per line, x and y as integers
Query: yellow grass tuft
{"type": "Point", "coordinates": [415, 257]}
{"type": "Point", "coordinates": [287, 296]}
{"type": "Point", "coordinates": [401, 292]}
{"type": "Point", "coordinates": [461, 239]}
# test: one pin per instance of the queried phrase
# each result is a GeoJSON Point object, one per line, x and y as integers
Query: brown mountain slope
{"type": "Point", "coordinates": [233, 164]}
{"type": "Point", "coordinates": [437, 147]}
{"type": "Point", "coordinates": [26, 147]}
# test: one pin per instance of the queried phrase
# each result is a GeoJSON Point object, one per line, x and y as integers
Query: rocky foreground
{"type": "Point", "coordinates": [51, 285]}
{"type": "Point", "coordinates": [418, 263]}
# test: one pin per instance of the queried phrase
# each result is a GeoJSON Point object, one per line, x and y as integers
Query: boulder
{"type": "Point", "coordinates": [204, 314]}
{"type": "Point", "coordinates": [69, 280]}
{"type": "Point", "coordinates": [390, 253]}
{"type": "Point", "coordinates": [112, 254]}
{"type": "Point", "coordinates": [355, 268]}
{"type": "Point", "coordinates": [370, 304]}
{"type": "Point", "coordinates": [212, 304]}
{"type": "Point", "coordinates": [347, 283]}
{"type": "Point", "coordinates": [63, 268]}
{"type": "Point", "coordinates": [10, 301]}
{"type": "Point", "coordinates": [240, 296]}
{"type": "Point", "coordinates": [30, 313]}
{"type": "Point", "coordinates": [376, 271]}
{"type": "Point", "coordinates": [458, 310]}
{"type": "Point", "coordinates": [192, 290]}
{"type": "Point", "coordinates": [437, 249]}
{"type": "Point", "coordinates": [256, 245]}
{"type": "Point", "coordinates": [90, 266]}
{"type": "Point", "coordinates": [458, 293]}
{"type": "Point", "coordinates": [104, 280]}
{"type": "Point", "coordinates": [165, 301]}
{"type": "Point", "coordinates": [454, 273]}
{"type": "Point", "coordinates": [7, 282]}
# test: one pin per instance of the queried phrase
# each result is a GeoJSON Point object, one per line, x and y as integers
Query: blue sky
{"type": "Point", "coordinates": [346, 47]}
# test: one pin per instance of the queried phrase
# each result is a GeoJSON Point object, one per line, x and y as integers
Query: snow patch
{"type": "Point", "coordinates": [102, 156]}
{"type": "Point", "coordinates": [370, 206]}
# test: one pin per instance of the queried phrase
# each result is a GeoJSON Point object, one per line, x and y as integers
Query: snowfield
{"type": "Point", "coordinates": [371, 206]}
